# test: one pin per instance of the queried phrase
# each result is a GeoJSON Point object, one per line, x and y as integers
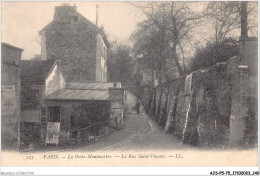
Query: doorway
{"type": "Point", "coordinates": [54, 114]}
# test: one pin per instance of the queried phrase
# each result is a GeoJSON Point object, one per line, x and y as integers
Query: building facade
{"type": "Point", "coordinates": [49, 103]}
{"type": "Point", "coordinates": [80, 45]}
{"type": "Point", "coordinates": [39, 79]}
{"type": "Point", "coordinates": [10, 102]}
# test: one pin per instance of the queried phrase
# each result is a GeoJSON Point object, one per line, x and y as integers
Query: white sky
{"type": "Point", "coordinates": [22, 21]}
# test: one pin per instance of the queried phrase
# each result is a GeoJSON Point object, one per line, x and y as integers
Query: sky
{"type": "Point", "coordinates": [22, 21]}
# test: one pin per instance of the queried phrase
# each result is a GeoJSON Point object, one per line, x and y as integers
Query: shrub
{"type": "Point", "coordinates": [213, 53]}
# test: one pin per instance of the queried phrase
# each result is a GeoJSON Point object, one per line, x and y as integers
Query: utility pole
{"type": "Point", "coordinates": [96, 15]}
{"type": "Point", "coordinates": [243, 15]}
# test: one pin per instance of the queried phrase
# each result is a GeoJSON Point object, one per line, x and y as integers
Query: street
{"type": "Point", "coordinates": [140, 132]}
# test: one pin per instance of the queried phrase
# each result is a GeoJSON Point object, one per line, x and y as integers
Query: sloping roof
{"type": "Point", "coordinates": [88, 23]}
{"type": "Point", "coordinates": [92, 85]}
{"type": "Point", "coordinates": [35, 71]}
{"type": "Point", "coordinates": [11, 46]}
{"type": "Point", "coordinates": [85, 95]}
{"type": "Point", "coordinates": [84, 91]}
{"type": "Point", "coordinates": [85, 20]}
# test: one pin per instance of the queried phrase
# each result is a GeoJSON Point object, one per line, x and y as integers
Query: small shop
{"type": "Point", "coordinates": [78, 114]}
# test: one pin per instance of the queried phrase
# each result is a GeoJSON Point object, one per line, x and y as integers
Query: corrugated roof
{"type": "Point", "coordinates": [70, 94]}
{"type": "Point", "coordinates": [92, 85]}
{"type": "Point", "coordinates": [35, 71]}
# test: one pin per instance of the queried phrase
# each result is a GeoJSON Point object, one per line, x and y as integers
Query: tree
{"type": "Point", "coordinates": [169, 24]}
{"type": "Point", "coordinates": [214, 52]}
{"type": "Point", "coordinates": [120, 63]}
{"type": "Point", "coordinates": [226, 18]}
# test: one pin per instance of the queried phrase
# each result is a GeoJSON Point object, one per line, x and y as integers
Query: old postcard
{"type": "Point", "coordinates": [129, 83]}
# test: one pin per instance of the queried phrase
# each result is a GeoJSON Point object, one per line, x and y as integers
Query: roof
{"type": "Point", "coordinates": [35, 71]}
{"type": "Point", "coordinates": [92, 85]}
{"type": "Point", "coordinates": [11, 46]}
{"type": "Point", "coordinates": [85, 20]}
{"type": "Point", "coordinates": [98, 91]}
{"type": "Point", "coordinates": [88, 23]}
{"type": "Point", "coordinates": [71, 94]}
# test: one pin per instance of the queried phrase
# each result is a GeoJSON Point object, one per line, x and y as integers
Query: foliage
{"type": "Point", "coordinates": [213, 53]}
{"type": "Point", "coordinates": [120, 63]}
{"type": "Point", "coordinates": [250, 136]}
{"type": "Point", "coordinates": [29, 134]}
{"type": "Point", "coordinates": [160, 39]}
{"type": "Point", "coordinates": [29, 98]}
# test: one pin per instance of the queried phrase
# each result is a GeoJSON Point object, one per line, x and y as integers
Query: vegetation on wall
{"type": "Point", "coordinates": [214, 52]}
{"type": "Point", "coordinates": [29, 98]}
{"type": "Point", "coordinates": [250, 136]}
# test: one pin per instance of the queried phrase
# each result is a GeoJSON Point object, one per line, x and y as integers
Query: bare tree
{"type": "Point", "coordinates": [174, 22]}
{"type": "Point", "coordinates": [226, 18]}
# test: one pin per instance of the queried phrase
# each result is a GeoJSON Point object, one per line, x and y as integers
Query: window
{"type": "Point", "coordinates": [54, 114]}
{"type": "Point", "coordinates": [8, 95]}
{"type": "Point", "coordinates": [75, 18]}
{"type": "Point", "coordinates": [36, 94]}
{"type": "Point", "coordinates": [91, 33]}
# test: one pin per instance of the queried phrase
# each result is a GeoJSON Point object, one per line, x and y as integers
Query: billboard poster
{"type": "Point", "coordinates": [52, 135]}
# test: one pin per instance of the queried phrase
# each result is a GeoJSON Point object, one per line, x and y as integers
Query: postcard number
{"type": "Point", "coordinates": [29, 157]}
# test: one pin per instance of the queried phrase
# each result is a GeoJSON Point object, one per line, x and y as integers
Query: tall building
{"type": "Point", "coordinates": [80, 45]}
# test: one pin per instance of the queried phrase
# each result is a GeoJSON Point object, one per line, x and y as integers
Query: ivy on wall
{"type": "Point", "coordinates": [29, 98]}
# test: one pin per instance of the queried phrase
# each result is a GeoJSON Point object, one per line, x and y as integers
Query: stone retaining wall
{"type": "Point", "coordinates": [196, 108]}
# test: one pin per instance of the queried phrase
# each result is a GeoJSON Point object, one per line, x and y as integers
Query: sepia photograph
{"type": "Point", "coordinates": [114, 83]}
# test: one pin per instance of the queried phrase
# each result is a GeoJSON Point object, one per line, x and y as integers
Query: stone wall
{"type": "Point", "coordinates": [196, 108]}
{"type": "Point", "coordinates": [10, 96]}
{"type": "Point", "coordinates": [71, 38]}
{"type": "Point", "coordinates": [76, 47]}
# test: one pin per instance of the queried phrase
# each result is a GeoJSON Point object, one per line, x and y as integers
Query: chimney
{"type": "Point", "coordinates": [64, 13]}
{"type": "Point", "coordinates": [96, 15]}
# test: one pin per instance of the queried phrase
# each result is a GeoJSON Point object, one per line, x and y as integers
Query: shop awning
{"type": "Point", "coordinates": [80, 95]}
